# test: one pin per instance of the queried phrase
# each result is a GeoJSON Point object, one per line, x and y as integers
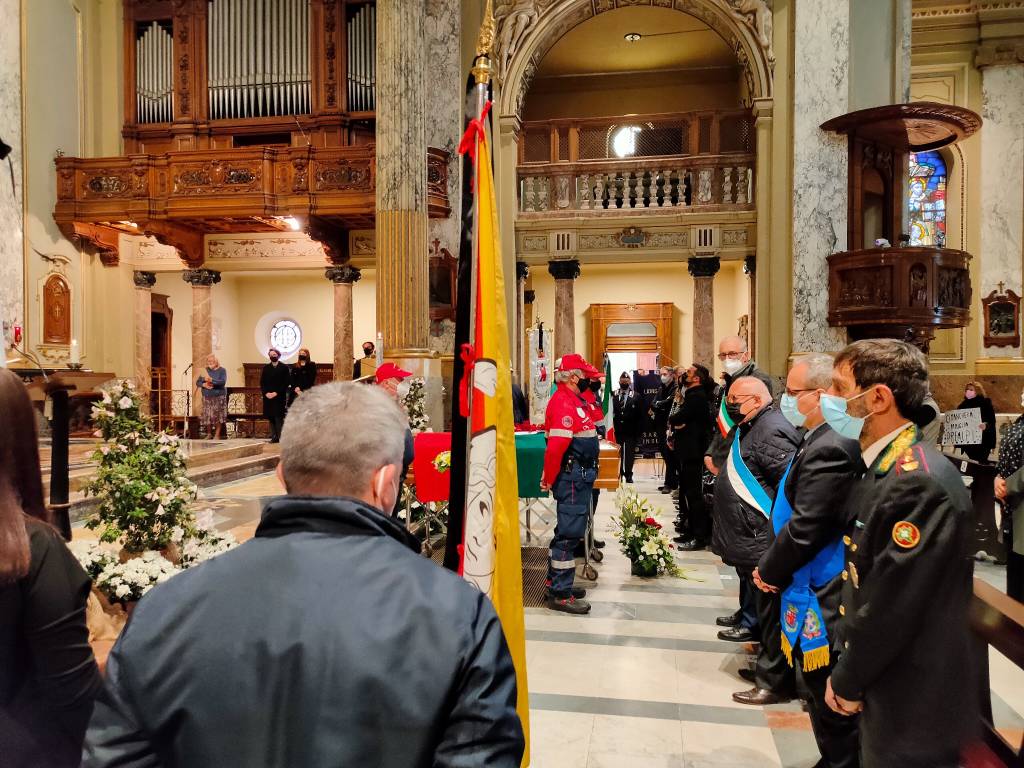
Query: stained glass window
{"type": "Point", "coordinates": [927, 196]}
{"type": "Point", "coordinates": [285, 337]}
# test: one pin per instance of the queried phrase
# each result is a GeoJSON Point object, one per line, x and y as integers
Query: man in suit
{"type": "Point", "coordinates": [627, 420]}
{"type": "Point", "coordinates": [691, 432]}
{"type": "Point", "coordinates": [274, 384]}
{"type": "Point", "coordinates": [805, 559]}
{"type": "Point", "coordinates": [367, 364]}
{"type": "Point", "coordinates": [906, 662]}
{"type": "Point", "coordinates": [763, 445]}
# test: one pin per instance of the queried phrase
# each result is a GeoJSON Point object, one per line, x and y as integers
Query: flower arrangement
{"type": "Point", "coordinates": [443, 462]}
{"type": "Point", "coordinates": [130, 580]}
{"type": "Point", "coordinates": [142, 484]}
{"type": "Point", "coordinates": [93, 556]}
{"type": "Point", "coordinates": [413, 402]}
{"type": "Point", "coordinates": [640, 536]}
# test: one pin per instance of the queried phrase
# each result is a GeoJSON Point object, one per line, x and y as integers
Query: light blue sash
{"type": "Point", "coordinates": [744, 482]}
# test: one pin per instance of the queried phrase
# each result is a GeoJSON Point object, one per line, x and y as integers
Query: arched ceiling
{"type": "Point", "coordinates": [597, 45]}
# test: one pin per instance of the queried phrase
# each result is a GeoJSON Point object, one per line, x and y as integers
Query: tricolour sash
{"type": "Point", "coordinates": [803, 625]}
{"type": "Point", "coordinates": [744, 482]}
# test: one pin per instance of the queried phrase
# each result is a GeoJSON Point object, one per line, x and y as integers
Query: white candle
{"type": "Point", "coordinates": [75, 357]}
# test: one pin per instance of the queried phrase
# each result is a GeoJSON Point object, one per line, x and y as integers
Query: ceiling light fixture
{"type": "Point", "coordinates": [631, 37]}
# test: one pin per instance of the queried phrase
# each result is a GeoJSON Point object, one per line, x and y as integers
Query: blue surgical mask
{"type": "Point", "coordinates": [834, 409]}
{"type": "Point", "coordinates": [790, 411]}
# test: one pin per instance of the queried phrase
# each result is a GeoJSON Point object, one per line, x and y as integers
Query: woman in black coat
{"type": "Point", "coordinates": [48, 676]}
{"type": "Point", "coordinates": [301, 376]}
{"type": "Point", "coordinates": [975, 397]}
{"type": "Point", "coordinates": [691, 430]}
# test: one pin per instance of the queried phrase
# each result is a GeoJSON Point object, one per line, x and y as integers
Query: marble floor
{"type": "Point", "coordinates": [643, 680]}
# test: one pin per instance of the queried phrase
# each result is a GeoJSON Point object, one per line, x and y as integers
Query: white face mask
{"type": "Point", "coordinates": [403, 388]}
{"type": "Point", "coordinates": [731, 365]}
{"type": "Point", "coordinates": [665, 378]}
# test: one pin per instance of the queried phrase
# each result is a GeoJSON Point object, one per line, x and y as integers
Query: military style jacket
{"type": "Point", "coordinates": [907, 587]}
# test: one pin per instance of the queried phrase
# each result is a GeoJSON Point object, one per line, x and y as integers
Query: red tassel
{"type": "Point", "coordinates": [468, 355]}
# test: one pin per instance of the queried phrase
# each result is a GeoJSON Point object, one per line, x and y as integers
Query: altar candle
{"type": "Point", "coordinates": [75, 357]}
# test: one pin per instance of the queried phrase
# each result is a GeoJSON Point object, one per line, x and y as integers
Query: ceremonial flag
{"type": "Point", "coordinates": [725, 424]}
{"type": "Point", "coordinates": [609, 403]}
{"type": "Point", "coordinates": [490, 551]}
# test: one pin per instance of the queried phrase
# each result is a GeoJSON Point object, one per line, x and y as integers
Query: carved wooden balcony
{"type": "Point", "coordinates": [667, 162]}
{"type": "Point", "coordinates": [904, 293]}
{"type": "Point", "coordinates": [236, 190]}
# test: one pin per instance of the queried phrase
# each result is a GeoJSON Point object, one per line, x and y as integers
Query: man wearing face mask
{"type": "Point", "coordinates": [736, 362]}
{"type": "Point", "coordinates": [627, 419]}
{"type": "Point", "coordinates": [274, 385]}
{"type": "Point", "coordinates": [906, 662]}
{"type": "Point", "coordinates": [367, 364]}
{"type": "Point", "coordinates": [285, 650]}
{"type": "Point", "coordinates": [763, 445]}
{"type": "Point", "coordinates": [659, 414]}
{"type": "Point", "coordinates": [805, 560]}
{"type": "Point", "coordinates": [570, 468]}
{"type": "Point", "coordinates": [391, 378]}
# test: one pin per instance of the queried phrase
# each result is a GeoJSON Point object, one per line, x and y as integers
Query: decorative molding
{"type": "Point", "coordinates": [201, 277]}
{"type": "Point", "coordinates": [564, 269]}
{"type": "Point", "coordinates": [101, 240]}
{"type": "Point", "coordinates": [344, 274]}
{"type": "Point", "coordinates": [703, 266]}
{"type": "Point", "coordinates": [188, 242]}
{"type": "Point", "coordinates": [734, 237]}
{"type": "Point", "coordinates": [522, 270]}
{"type": "Point", "coordinates": [144, 280]}
{"type": "Point", "coordinates": [632, 237]}
{"type": "Point", "coordinates": [333, 238]}
{"type": "Point", "coordinates": [994, 53]}
{"type": "Point", "coordinates": [292, 247]}
{"type": "Point", "coordinates": [535, 243]}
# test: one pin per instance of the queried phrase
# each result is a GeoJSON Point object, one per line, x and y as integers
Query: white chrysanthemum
{"type": "Point", "coordinates": [124, 403]}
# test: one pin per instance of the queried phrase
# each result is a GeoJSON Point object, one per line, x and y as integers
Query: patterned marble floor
{"type": "Point", "coordinates": [643, 680]}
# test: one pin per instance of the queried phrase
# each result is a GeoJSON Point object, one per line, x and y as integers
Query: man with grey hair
{"type": "Point", "coordinates": [801, 571]}
{"type": "Point", "coordinates": [325, 640]}
{"type": "Point", "coordinates": [907, 655]}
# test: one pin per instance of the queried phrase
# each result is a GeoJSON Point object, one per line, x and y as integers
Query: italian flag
{"type": "Point", "coordinates": [723, 421]}
{"type": "Point", "coordinates": [609, 403]}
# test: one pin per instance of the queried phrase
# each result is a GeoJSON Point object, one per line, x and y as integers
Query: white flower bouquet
{"type": "Point", "coordinates": [640, 536]}
{"type": "Point", "coordinates": [129, 581]}
{"type": "Point", "coordinates": [93, 556]}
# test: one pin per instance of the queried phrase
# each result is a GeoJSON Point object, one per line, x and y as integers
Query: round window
{"type": "Point", "coordinates": [286, 337]}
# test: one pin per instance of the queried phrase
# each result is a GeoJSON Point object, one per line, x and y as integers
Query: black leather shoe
{"type": "Point", "coordinates": [736, 635]}
{"type": "Point", "coordinates": [759, 697]}
{"type": "Point", "coordinates": [663, 489]}
{"type": "Point", "coordinates": [690, 545]}
{"type": "Point", "coordinates": [747, 674]}
{"type": "Point", "coordinates": [732, 620]}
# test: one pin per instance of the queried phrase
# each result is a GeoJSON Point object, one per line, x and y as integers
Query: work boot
{"type": "Point", "coordinates": [569, 605]}
{"type": "Point", "coordinates": [577, 592]}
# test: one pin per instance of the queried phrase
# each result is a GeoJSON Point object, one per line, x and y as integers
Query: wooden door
{"type": "Point", "coordinates": [631, 328]}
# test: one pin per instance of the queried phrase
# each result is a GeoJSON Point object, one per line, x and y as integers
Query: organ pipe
{"type": "Point", "coordinates": [362, 43]}
{"type": "Point", "coordinates": [154, 79]}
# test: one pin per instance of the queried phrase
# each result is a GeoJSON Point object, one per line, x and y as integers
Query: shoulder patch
{"type": "Point", "coordinates": [567, 421]}
{"type": "Point", "coordinates": [906, 534]}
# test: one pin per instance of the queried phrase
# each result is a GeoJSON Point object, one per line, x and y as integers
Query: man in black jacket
{"type": "Point", "coordinates": [908, 650]}
{"type": "Point", "coordinates": [804, 562]}
{"type": "Point", "coordinates": [326, 640]}
{"type": "Point", "coordinates": [690, 426]}
{"type": "Point", "coordinates": [659, 414]}
{"type": "Point", "coordinates": [274, 385]}
{"type": "Point", "coordinates": [627, 419]}
{"type": "Point", "coordinates": [763, 444]}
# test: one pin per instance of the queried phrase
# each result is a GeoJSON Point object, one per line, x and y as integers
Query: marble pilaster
{"type": "Point", "coordinates": [12, 256]}
{"type": "Point", "coordinates": [144, 282]}
{"type": "Point", "coordinates": [202, 320]}
{"type": "Point", "coordinates": [750, 270]}
{"type": "Point", "coordinates": [522, 273]}
{"type": "Point", "coordinates": [403, 308]}
{"type": "Point", "coordinates": [1002, 182]}
{"type": "Point", "coordinates": [343, 278]}
{"type": "Point", "coordinates": [565, 272]}
{"type": "Point", "coordinates": [529, 296]}
{"type": "Point", "coordinates": [821, 85]}
{"type": "Point", "coordinates": [703, 270]}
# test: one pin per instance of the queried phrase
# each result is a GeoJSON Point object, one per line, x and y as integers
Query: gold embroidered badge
{"type": "Point", "coordinates": [906, 534]}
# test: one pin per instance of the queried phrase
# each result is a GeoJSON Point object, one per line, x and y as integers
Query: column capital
{"type": "Point", "coordinates": [564, 269]}
{"type": "Point", "coordinates": [522, 270]}
{"type": "Point", "coordinates": [346, 274]}
{"type": "Point", "coordinates": [750, 265]}
{"type": "Point", "coordinates": [529, 295]}
{"type": "Point", "coordinates": [144, 280]}
{"type": "Point", "coordinates": [201, 277]}
{"type": "Point", "coordinates": [703, 266]}
{"type": "Point", "coordinates": [995, 53]}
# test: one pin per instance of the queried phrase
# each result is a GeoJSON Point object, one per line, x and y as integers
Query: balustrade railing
{"type": "Point", "coordinates": [685, 160]}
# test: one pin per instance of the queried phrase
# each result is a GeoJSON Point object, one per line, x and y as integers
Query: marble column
{"type": "Point", "coordinates": [703, 270]}
{"type": "Point", "coordinates": [1002, 179]}
{"type": "Point", "coordinates": [565, 271]}
{"type": "Point", "coordinates": [403, 308]}
{"type": "Point", "coordinates": [821, 86]}
{"type": "Point", "coordinates": [522, 273]}
{"type": "Point", "coordinates": [12, 256]}
{"type": "Point", "coordinates": [202, 321]}
{"type": "Point", "coordinates": [750, 270]}
{"type": "Point", "coordinates": [343, 278]}
{"type": "Point", "coordinates": [143, 374]}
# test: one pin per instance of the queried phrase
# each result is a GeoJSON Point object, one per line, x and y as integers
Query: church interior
{"type": "Point", "coordinates": [196, 178]}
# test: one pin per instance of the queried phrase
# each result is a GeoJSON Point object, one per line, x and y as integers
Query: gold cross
{"type": "Point", "coordinates": [1000, 284]}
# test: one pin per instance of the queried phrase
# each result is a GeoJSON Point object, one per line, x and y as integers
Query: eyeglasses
{"type": "Point", "coordinates": [730, 355]}
{"type": "Point", "coordinates": [798, 392]}
{"type": "Point", "coordinates": [738, 400]}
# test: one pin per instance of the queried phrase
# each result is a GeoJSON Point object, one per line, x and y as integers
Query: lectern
{"type": "Point", "coordinates": [58, 385]}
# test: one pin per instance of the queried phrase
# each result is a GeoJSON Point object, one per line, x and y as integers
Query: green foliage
{"type": "Point", "coordinates": [640, 536]}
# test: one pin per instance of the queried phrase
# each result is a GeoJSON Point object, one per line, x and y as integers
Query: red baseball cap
{"type": "Point", "coordinates": [576, 362]}
{"type": "Point", "coordinates": [387, 371]}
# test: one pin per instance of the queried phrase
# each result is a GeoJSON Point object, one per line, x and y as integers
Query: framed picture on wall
{"type": "Point", "coordinates": [1002, 318]}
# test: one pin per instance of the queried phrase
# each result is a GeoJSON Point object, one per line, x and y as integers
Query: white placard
{"type": "Point", "coordinates": [962, 427]}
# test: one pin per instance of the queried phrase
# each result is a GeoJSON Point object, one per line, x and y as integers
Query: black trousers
{"type": "Point", "coordinates": [838, 736]}
{"type": "Point", "coordinates": [691, 498]}
{"type": "Point", "coordinates": [771, 671]}
{"type": "Point", "coordinates": [671, 473]}
{"type": "Point", "coordinates": [1015, 576]}
{"type": "Point", "coordinates": [748, 600]}
{"type": "Point", "coordinates": [276, 424]}
{"type": "Point", "coordinates": [627, 457]}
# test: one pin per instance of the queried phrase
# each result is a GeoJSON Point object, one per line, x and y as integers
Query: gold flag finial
{"type": "Point", "coordinates": [485, 46]}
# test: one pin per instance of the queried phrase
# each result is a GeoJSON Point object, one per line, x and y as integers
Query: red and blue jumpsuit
{"type": "Point", "coordinates": [570, 468]}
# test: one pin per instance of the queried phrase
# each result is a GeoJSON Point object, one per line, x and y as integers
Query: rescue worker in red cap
{"type": "Point", "coordinates": [590, 390]}
{"type": "Point", "coordinates": [570, 468]}
{"type": "Point", "coordinates": [388, 377]}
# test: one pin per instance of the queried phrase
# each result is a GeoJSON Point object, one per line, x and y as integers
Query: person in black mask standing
{"type": "Point", "coordinates": [627, 420]}
{"type": "Point", "coordinates": [302, 376]}
{"type": "Point", "coordinates": [659, 413]}
{"type": "Point", "coordinates": [274, 384]}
